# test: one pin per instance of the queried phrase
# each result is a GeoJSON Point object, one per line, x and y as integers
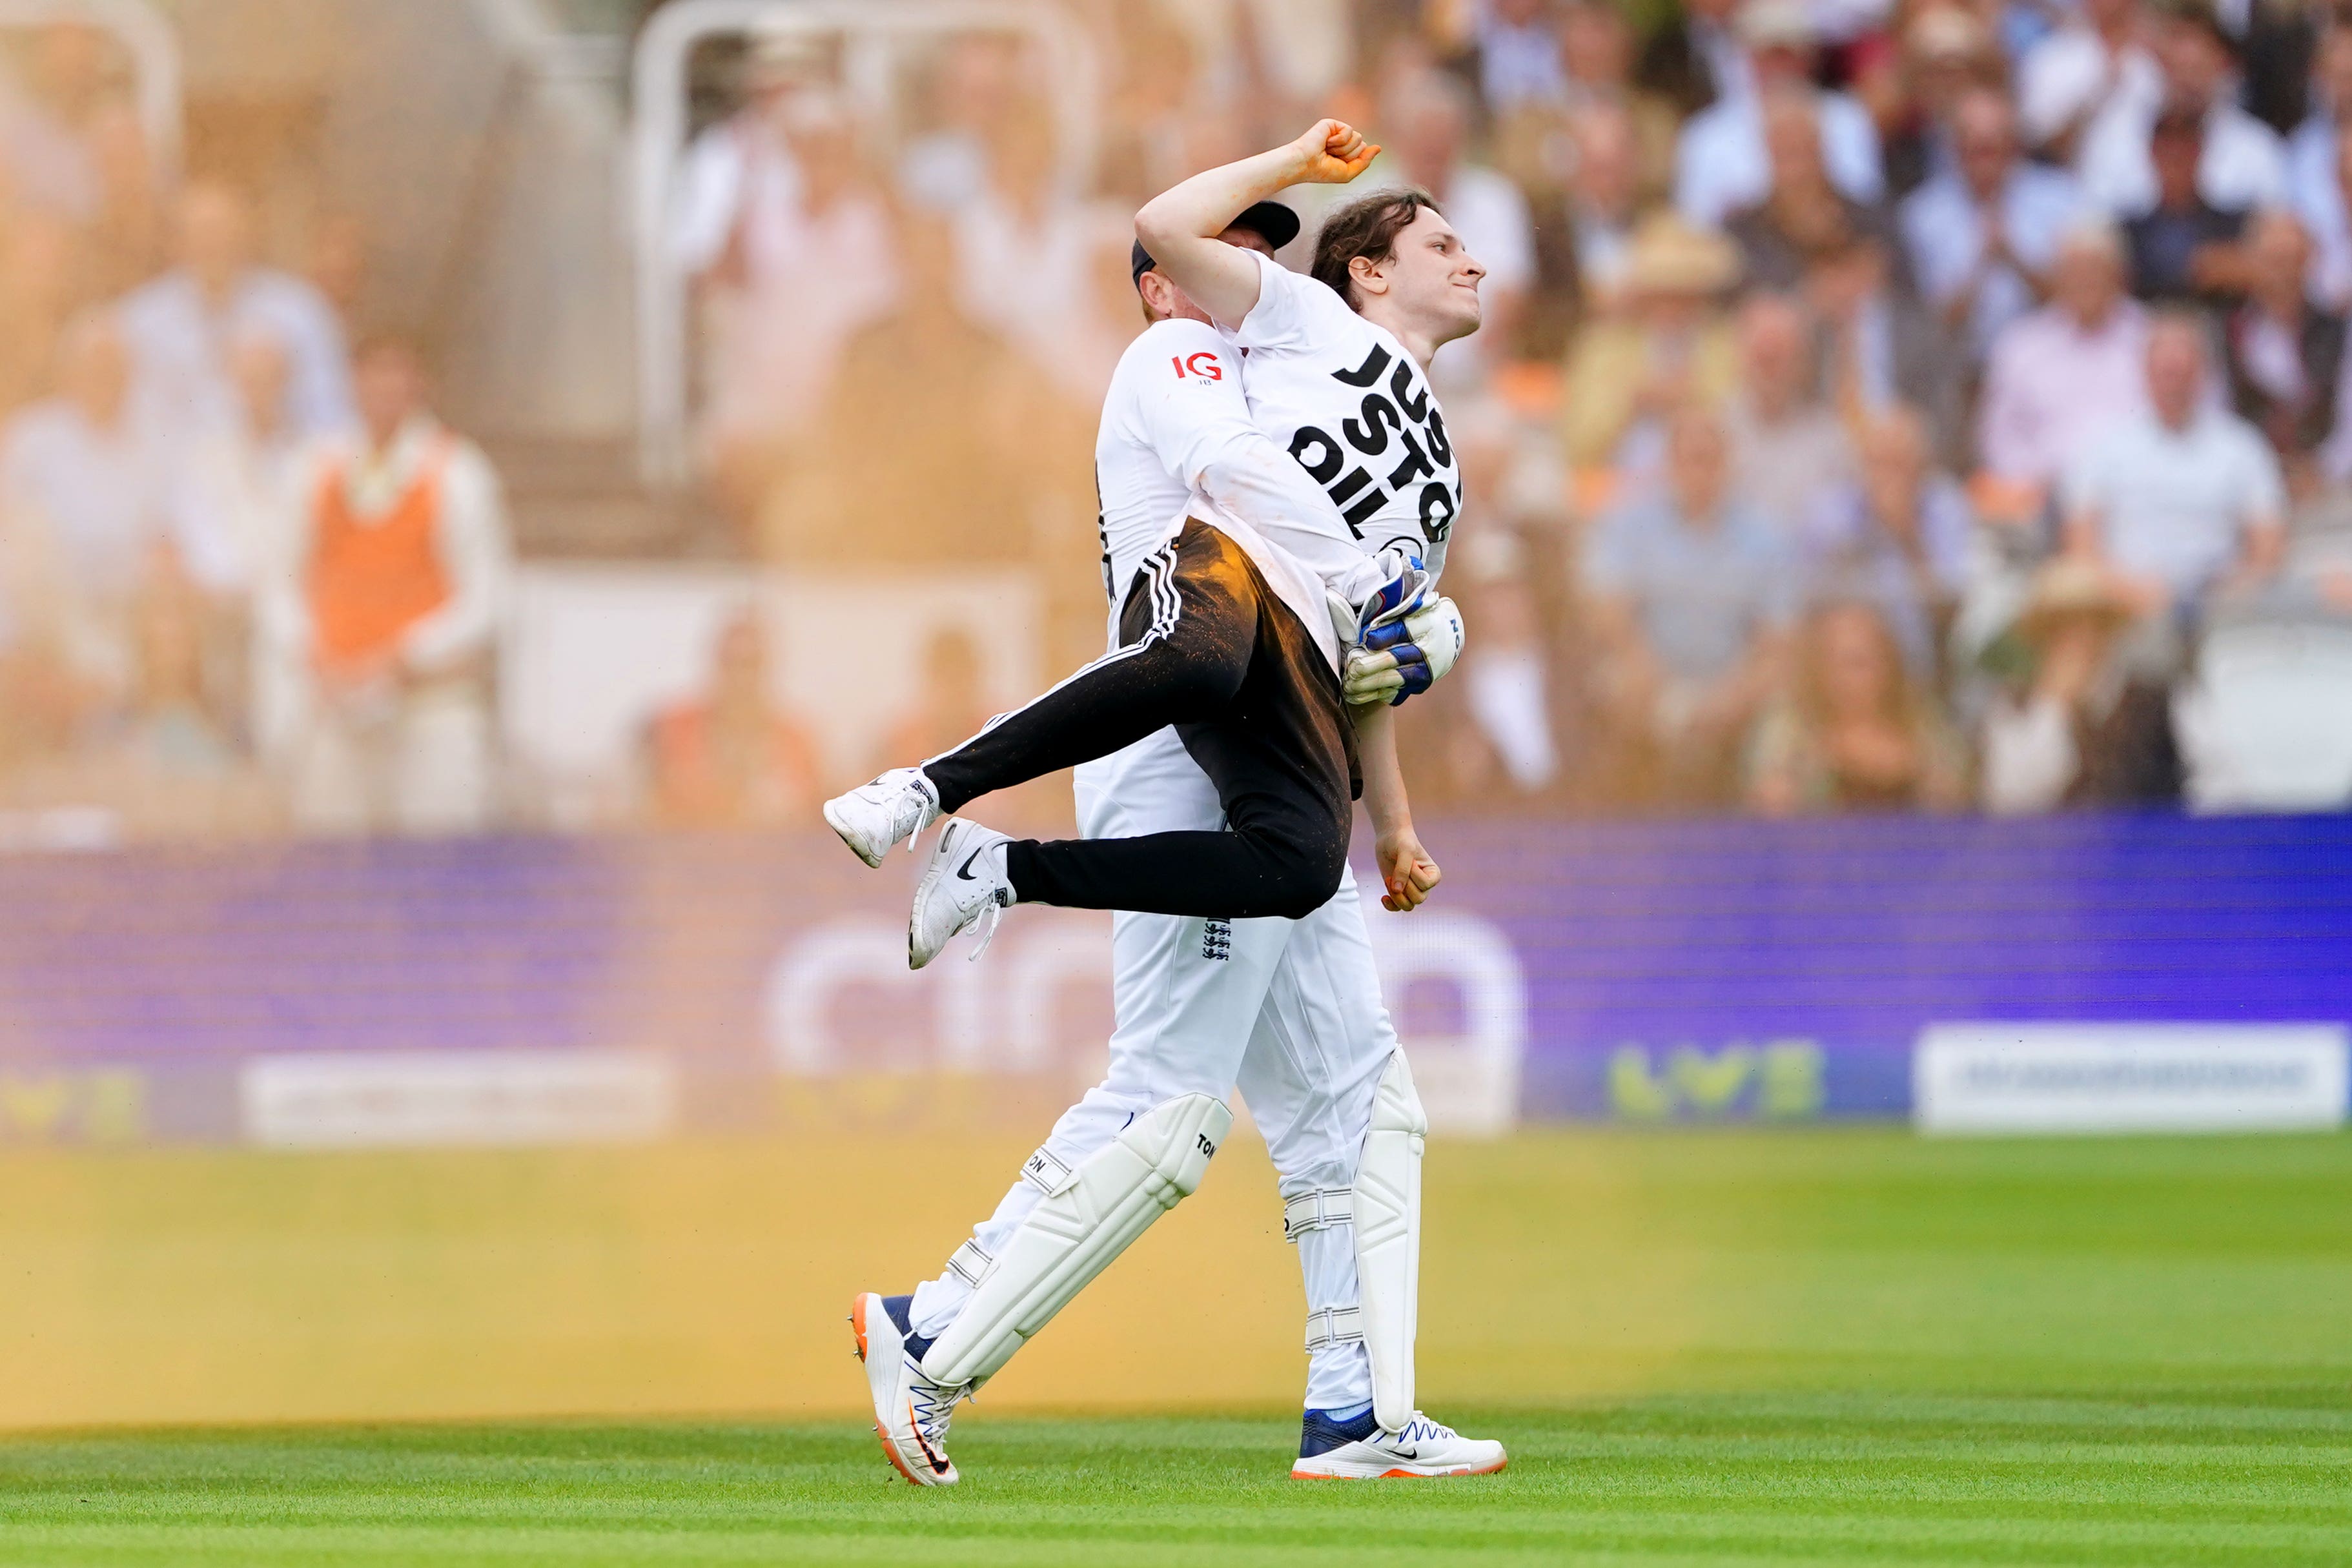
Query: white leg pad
{"type": "Point", "coordinates": [1089, 1215]}
{"type": "Point", "coordinates": [1387, 1214]}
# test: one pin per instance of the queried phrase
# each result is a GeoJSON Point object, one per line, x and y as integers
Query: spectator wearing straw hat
{"type": "Point", "coordinates": [1670, 344]}
{"type": "Point", "coordinates": [2076, 730]}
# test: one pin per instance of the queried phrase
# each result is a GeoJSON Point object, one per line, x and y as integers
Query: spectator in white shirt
{"type": "Point", "coordinates": [2243, 163]}
{"type": "Point", "coordinates": [2182, 502]}
{"type": "Point", "coordinates": [1431, 116]}
{"type": "Point", "coordinates": [1720, 163]}
{"type": "Point", "coordinates": [1981, 237]}
{"type": "Point", "coordinates": [793, 283]}
{"type": "Point", "coordinates": [2098, 61]}
{"type": "Point", "coordinates": [2058, 376]}
{"type": "Point", "coordinates": [178, 328]}
{"type": "Point", "coordinates": [81, 512]}
{"type": "Point", "coordinates": [740, 175]}
{"type": "Point", "coordinates": [391, 591]}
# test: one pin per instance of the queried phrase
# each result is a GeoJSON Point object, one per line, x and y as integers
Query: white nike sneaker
{"type": "Point", "coordinates": [1359, 1451]}
{"type": "Point", "coordinates": [963, 884]}
{"type": "Point", "coordinates": [874, 817]}
{"type": "Point", "coordinates": [911, 1411]}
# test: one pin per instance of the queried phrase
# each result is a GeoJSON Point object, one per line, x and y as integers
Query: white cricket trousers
{"type": "Point", "coordinates": [1289, 1012]}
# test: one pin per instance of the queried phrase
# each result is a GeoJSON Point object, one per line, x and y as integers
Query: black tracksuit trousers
{"type": "Point", "coordinates": [1207, 646]}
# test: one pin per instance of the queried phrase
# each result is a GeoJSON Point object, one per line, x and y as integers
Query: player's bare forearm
{"type": "Point", "coordinates": [1408, 873]}
{"type": "Point", "coordinates": [1179, 226]}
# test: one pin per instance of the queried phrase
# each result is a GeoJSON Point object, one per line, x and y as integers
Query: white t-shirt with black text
{"type": "Point", "coordinates": [1343, 397]}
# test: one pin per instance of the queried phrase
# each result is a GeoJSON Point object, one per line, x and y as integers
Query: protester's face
{"type": "Point", "coordinates": [1434, 279]}
{"type": "Point", "coordinates": [2176, 370]}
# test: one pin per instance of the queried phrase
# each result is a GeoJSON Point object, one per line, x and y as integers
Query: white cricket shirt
{"type": "Point", "coordinates": [1177, 440]}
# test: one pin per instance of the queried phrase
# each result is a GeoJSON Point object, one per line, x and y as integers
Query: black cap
{"type": "Point", "coordinates": [1271, 221]}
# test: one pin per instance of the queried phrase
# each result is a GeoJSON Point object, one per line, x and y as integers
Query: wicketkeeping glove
{"type": "Point", "coordinates": [1406, 590]}
{"type": "Point", "coordinates": [1405, 657]}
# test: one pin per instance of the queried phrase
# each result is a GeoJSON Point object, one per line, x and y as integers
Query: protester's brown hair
{"type": "Point", "coordinates": [1367, 227]}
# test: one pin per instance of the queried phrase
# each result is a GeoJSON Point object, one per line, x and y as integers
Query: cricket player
{"type": "Point", "coordinates": [1227, 635]}
{"type": "Point", "coordinates": [1288, 1010]}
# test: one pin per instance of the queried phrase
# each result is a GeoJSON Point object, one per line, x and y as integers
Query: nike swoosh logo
{"type": "Point", "coordinates": [964, 871]}
{"type": "Point", "coordinates": [936, 1460]}
{"type": "Point", "coordinates": [1406, 1453]}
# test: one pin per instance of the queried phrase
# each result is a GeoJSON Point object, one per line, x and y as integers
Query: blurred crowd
{"type": "Point", "coordinates": [247, 581]}
{"type": "Point", "coordinates": [1883, 404]}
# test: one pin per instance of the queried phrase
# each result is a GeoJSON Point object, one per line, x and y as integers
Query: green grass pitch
{"type": "Point", "coordinates": [2119, 1353]}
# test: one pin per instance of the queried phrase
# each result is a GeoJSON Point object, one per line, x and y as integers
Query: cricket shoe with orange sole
{"type": "Point", "coordinates": [1357, 1451]}
{"type": "Point", "coordinates": [911, 1411]}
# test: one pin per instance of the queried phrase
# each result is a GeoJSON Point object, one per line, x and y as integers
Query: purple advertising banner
{"type": "Point", "coordinates": [546, 988]}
